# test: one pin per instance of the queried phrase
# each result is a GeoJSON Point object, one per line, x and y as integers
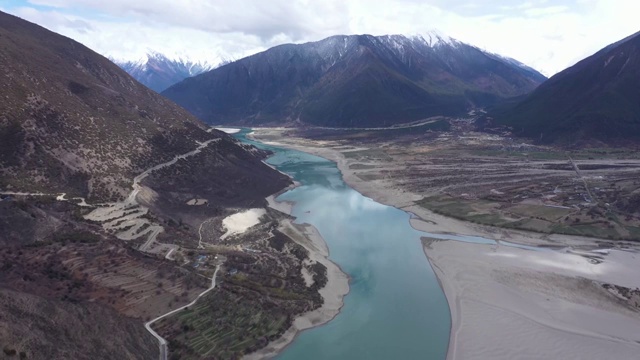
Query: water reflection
{"type": "Point", "coordinates": [395, 308]}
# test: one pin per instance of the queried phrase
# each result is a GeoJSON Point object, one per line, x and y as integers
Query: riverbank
{"type": "Point", "coordinates": [481, 327]}
{"type": "Point", "coordinates": [387, 193]}
{"type": "Point", "coordinates": [333, 293]}
{"type": "Point", "coordinates": [514, 303]}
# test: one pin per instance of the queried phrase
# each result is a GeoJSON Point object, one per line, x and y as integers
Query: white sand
{"type": "Point", "coordinates": [511, 303]}
{"type": "Point", "coordinates": [307, 276]}
{"type": "Point", "coordinates": [239, 223]}
{"type": "Point", "coordinates": [197, 202]}
{"type": "Point", "coordinates": [228, 130]}
{"type": "Point", "coordinates": [282, 206]}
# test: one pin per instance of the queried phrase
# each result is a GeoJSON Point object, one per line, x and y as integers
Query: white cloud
{"type": "Point", "coordinates": [548, 36]}
{"type": "Point", "coordinates": [545, 10]}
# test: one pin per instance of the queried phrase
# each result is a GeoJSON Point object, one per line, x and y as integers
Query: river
{"type": "Point", "coordinates": [395, 308]}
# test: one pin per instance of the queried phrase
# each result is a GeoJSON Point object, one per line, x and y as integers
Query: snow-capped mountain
{"type": "Point", "coordinates": [355, 80]}
{"type": "Point", "coordinates": [158, 71]}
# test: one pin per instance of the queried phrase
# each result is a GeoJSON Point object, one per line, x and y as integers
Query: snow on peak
{"type": "Point", "coordinates": [397, 42]}
{"type": "Point", "coordinates": [149, 55]}
{"type": "Point", "coordinates": [431, 39]}
{"type": "Point", "coordinates": [434, 38]}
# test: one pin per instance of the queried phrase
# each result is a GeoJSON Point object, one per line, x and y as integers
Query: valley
{"type": "Point", "coordinates": [562, 223]}
{"type": "Point", "coordinates": [366, 194]}
{"type": "Point", "coordinates": [488, 179]}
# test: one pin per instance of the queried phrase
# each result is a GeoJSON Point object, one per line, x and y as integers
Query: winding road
{"type": "Point", "coordinates": [162, 342]}
{"type": "Point", "coordinates": [392, 127]}
{"type": "Point", "coordinates": [200, 233]}
{"type": "Point", "coordinates": [126, 216]}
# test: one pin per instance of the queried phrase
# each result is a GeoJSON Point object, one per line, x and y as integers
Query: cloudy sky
{"type": "Point", "coordinates": [547, 35]}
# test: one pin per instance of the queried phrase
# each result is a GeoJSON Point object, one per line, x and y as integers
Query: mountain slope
{"type": "Point", "coordinates": [158, 72]}
{"type": "Point", "coordinates": [359, 80]}
{"type": "Point", "coordinates": [72, 121]}
{"type": "Point", "coordinates": [598, 98]}
{"type": "Point", "coordinates": [42, 339]}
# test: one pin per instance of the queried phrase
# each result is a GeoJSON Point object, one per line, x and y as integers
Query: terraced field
{"type": "Point", "coordinates": [106, 272]}
{"type": "Point", "coordinates": [260, 290]}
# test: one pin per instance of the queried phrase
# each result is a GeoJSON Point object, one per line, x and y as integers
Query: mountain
{"type": "Point", "coordinates": [72, 121]}
{"type": "Point", "coordinates": [158, 72]}
{"type": "Point", "coordinates": [74, 273]}
{"type": "Point", "coordinates": [354, 81]}
{"type": "Point", "coordinates": [596, 99]}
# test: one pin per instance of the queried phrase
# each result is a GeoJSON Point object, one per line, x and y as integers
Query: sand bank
{"type": "Point", "coordinates": [228, 130]}
{"type": "Point", "coordinates": [240, 222]}
{"type": "Point", "coordinates": [513, 303]}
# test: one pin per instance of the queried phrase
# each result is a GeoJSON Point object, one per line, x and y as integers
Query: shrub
{"type": "Point", "coordinates": [9, 351]}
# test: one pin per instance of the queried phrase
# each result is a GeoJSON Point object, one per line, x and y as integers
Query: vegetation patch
{"type": "Point", "coordinates": [590, 221]}
{"type": "Point", "coordinates": [255, 302]}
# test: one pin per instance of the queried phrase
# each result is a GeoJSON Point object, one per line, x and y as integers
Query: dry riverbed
{"type": "Point", "coordinates": [514, 303]}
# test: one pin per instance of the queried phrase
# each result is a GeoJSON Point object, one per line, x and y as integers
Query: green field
{"type": "Point", "coordinates": [537, 218]}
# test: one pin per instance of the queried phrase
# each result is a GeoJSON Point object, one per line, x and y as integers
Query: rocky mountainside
{"type": "Point", "coordinates": [73, 122]}
{"type": "Point", "coordinates": [354, 81]}
{"type": "Point", "coordinates": [158, 72]}
{"type": "Point", "coordinates": [596, 99]}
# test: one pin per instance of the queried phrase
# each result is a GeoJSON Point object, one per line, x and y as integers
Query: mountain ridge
{"type": "Point", "coordinates": [72, 121]}
{"type": "Point", "coordinates": [354, 80]}
{"type": "Point", "coordinates": [596, 99]}
{"type": "Point", "coordinates": [159, 71]}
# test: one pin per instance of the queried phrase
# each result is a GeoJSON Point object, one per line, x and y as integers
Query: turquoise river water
{"type": "Point", "coordinates": [395, 308]}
